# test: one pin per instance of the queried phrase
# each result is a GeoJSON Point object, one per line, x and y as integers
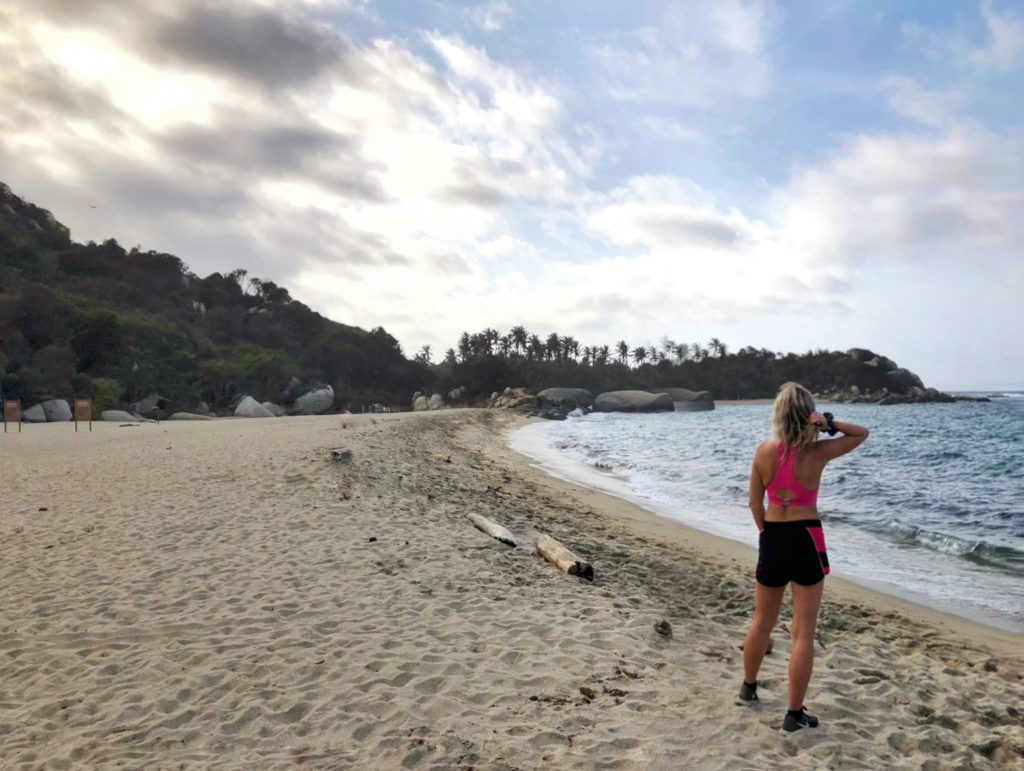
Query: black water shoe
{"type": "Point", "coordinates": [797, 719]}
{"type": "Point", "coordinates": [748, 692]}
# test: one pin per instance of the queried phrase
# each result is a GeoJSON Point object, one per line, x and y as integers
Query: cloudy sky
{"type": "Point", "coordinates": [787, 175]}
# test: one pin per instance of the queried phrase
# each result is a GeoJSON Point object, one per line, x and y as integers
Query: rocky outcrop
{"type": "Point", "coordinates": [291, 391]}
{"type": "Point", "coordinates": [690, 401]}
{"type": "Point", "coordinates": [34, 414]}
{"type": "Point", "coordinates": [250, 408]}
{"type": "Point", "coordinates": [419, 403]}
{"type": "Point", "coordinates": [56, 410]}
{"type": "Point", "coordinates": [146, 405]}
{"type": "Point", "coordinates": [314, 402]}
{"type": "Point", "coordinates": [513, 398]}
{"type": "Point", "coordinates": [569, 398]}
{"type": "Point", "coordinates": [915, 395]}
{"type": "Point", "coordinates": [202, 409]}
{"type": "Point", "coordinates": [633, 401]}
{"type": "Point", "coordinates": [275, 409]}
{"type": "Point", "coordinates": [456, 394]}
{"type": "Point", "coordinates": [118, 416]}
{"type": "Point", "coordinates": [435, 402]}
{"type": "Point", "coordinates": [194, 416]}
{"type": "Point", "coordinates": [876, 379]}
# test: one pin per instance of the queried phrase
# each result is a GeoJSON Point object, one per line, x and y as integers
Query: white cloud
{"type": "Point", "coordinates": [695, 55]}
{"type": "Point", "coordinates": [1005, 46]}
{"type": "Point", "coordinates": [490, 16]}
{"type": "Point", "coordinates": [908, 197]}
{"type": "Point", "coordinates": [663, 128]}
{"type": "Point", "coordinates": [932, 108]}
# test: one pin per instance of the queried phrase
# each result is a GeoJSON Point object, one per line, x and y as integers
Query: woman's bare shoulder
{"type": "Point", "coordinates": [765, 450]}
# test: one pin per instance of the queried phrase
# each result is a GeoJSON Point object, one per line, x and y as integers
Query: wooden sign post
{"type": "Point", "coordinates": [12, 412]}
{"type": "Point", "coordinates": [83, 412]}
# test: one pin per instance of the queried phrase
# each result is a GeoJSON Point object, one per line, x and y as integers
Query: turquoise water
{"type": "Point", "coordinates": [930, 508]}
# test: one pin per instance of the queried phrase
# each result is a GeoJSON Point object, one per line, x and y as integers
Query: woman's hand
{"type": "Point", "coordinates": [818, 420]}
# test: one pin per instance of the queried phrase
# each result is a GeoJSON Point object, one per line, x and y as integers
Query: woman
{"type": "Point", "coordinates": [792, 543]}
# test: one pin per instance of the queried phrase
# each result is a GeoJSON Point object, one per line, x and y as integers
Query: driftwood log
{"type": "Point", "coordinates": [493, 529]}
{"type": "Point", "coordinates": [562, 558]}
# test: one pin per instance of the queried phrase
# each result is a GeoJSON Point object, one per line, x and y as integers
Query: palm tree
{"type": "Point", "coordinates": [602, 355]}
{"type": "Point", "coordinates": [424, 354]}
{"type": "Point", "coordinates": [554, 345]}
{"type": "Point", "coordinates": [519, 337]}
{"type": "Point", "coordinates": [535, 347]}
{"type": "Point", "coordinates": [667, 346]}
{"type": "Point", "coordinates": [717, 346]}
{"type": "Point", "coordinates": [652, 351]}
{"type": "Point", "coordinates": [589, 352]}
{"type": "Point", "coordinates": [570, 347]}
{"type": "Point", "coordinates": [464, 346]}
{"type": "Point", "coordinates": [623, 351]}
{"type": "Point", "coordinates": [699, 352]}
{"type": "Point", "coordinates": [681, 350]}
{"type": "Point", "coordinates": [505, 344]}
{"type": "Point", "coordinates": [639, 354]}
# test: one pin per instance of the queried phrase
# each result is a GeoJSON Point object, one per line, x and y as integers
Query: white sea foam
{"type": "Point", "coordinates": [915, 527]}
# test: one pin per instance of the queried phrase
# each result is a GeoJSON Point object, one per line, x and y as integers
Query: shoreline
{"type": "Point", "coordinates": [225, 594]}
{"type": "Point", "coordinates": [632, 510]}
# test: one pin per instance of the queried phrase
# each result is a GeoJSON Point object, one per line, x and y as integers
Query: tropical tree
{"type": "Point", "coordinates": [423, 355]}
{"type": "Point", "coordinates": [622, 348]}
{"type": "Point", "coordinates": [639, 355]}
{"type": "Point", "coordinates": [535, 348]}
{"type": "Point", "coordinates": [519, 337]}
{"type": "Point", "coordinates": [554, 345]}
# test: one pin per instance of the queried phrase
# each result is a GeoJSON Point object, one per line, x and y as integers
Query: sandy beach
{"type": "Point", "coordinates": [225, 595]}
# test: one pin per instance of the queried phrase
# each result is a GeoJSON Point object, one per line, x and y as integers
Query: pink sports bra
{"type": "Point", "coordinates": [785, 479]}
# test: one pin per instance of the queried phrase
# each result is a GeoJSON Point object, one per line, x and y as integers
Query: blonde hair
{"type": "Point", "coordinates": [791, 418]}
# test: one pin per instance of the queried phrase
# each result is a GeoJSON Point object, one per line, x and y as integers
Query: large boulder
{"type": "Point", "coordinates": [147, 404]}
{"type": "Point", "coordinates": [690, 401]}
{"type": "Point", "coordinates": [419, 404]}
{"type": "Point", "coordinates": [633, 401]}
{"type": "Point", "coordinates": [291, 391]}
{"type": "Point", "coordinates": [904, 380]}
{"type": "Point", "coordinates": [202, 409]}
{"type": "Point", "coordinates": [276, 409]}
{"type": "Point", "coordinates": [566, 397]}
{"type": "Point", "coordinates": [314, 402]}
{"type": "Point", "coordinates": [514, 397]}
{"type": "Point", "coordinates": [250, 408]}
{"type": "Point", "coordinates": [456, 394]}
{"type": "Point", "coordinates": [118, 416]}
{"type": "Point", "coordinates": [194, 416]}
{"type": "Point", "coordinates": [34, 414]}
{"type": "Point", "coordinates": [56, 410]}
{"type": "Point", "coordinates": [435, 402]}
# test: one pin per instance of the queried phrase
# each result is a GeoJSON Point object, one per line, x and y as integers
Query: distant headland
{"type": "Point", "coordinates": [137, 330]}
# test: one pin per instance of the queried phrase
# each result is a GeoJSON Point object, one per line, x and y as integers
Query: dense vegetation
{"type": "Point", "coordinates": [96, 320]}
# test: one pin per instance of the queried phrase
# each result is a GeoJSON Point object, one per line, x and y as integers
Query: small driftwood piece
{"type": "Point", "coordinates": [562, 558]}
{"type": "Point", "coordinates": [493, 529]}
{"type": "Point", "coordinates": [342, 454]}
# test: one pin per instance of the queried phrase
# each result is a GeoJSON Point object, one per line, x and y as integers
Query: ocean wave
{"type": "Point", "coordinates": [991, 555]}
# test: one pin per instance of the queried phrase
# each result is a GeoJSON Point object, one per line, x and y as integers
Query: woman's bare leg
{"type": "Point", "coordinates": [767, 601]}
{"type": "Point", "coordinates": [806, 601]}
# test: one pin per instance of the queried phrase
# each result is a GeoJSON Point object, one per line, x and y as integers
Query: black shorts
{"type": "Point", "coordinates": [792, 551]}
